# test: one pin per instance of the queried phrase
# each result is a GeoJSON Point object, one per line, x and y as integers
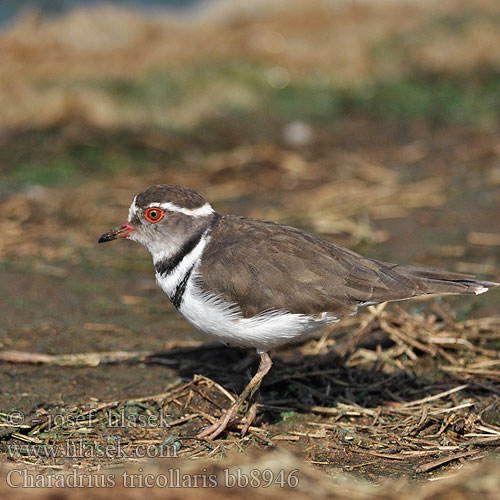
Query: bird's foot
{"type": "Point", "coordinates": [229, 418]}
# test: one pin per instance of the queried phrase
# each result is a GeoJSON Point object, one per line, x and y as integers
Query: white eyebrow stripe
{"type": "Point", "coordinates": [205, 209]}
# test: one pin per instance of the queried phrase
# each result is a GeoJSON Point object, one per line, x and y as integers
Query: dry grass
{"type": "Point", "coordinates": [323, 186]}
{"type": "Point", "coordinates": [52, 70]}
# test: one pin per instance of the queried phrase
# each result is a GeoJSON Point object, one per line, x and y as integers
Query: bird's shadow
{"type": "Point", "coordinates": [300, 382]}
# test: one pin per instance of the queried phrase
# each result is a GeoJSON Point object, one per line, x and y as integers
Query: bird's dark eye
{"type": "Point", "coordinates": [154, 214]}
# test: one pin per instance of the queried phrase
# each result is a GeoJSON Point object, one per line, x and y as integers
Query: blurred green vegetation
{"type": "Point", "coordinates": [470, 99]}
{"type": "Point", "coordinates": [48, 156]}
{"type": "Point", "coordinates": [246, 109]}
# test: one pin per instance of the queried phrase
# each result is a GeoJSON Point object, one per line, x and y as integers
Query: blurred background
{"type": "Point", "coordinates": [372, 123]}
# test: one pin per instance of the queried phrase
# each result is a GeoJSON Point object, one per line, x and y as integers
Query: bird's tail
{"type": "Point", "coordinates": [429, 281]}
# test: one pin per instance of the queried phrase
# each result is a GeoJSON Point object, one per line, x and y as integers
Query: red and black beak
{"type": "Point", "coordinates": [117, 232]}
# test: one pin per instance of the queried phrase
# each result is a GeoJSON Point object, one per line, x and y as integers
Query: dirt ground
{"type": "Point", "coordinates": [100, 375]}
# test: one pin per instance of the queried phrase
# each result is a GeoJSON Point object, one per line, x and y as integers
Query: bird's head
{"type": "Point", "coordinates": [163, 218]}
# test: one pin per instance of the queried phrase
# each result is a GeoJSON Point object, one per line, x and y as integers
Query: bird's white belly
{"type": "Point", "coordinates": [224, 321]}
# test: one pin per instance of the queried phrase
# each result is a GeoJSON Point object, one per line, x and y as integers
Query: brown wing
{"type": "Point", "coordinates": [265, 266]}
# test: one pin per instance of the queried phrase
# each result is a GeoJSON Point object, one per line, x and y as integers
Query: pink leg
{"type": "Point", "coordinates": [249, 418]}
{"type": "Point", "coordinates": [231, 416]}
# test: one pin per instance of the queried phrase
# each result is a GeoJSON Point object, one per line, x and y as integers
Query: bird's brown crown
{"type": "Point", "coordinates": [180, 196]}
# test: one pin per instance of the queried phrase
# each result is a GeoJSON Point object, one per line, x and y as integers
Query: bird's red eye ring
{"type": "Point", "coordinates": [154, 214]}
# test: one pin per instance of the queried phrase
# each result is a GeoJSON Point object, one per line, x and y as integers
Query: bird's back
{"type": "Point", "coordinates": [262, 266]}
